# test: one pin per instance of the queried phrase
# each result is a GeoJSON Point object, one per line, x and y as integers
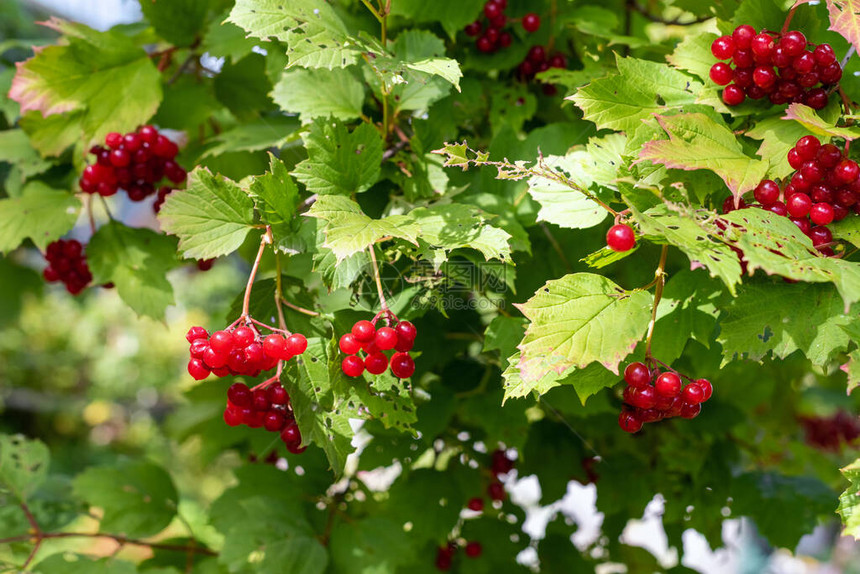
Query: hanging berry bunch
{"type": "Point", "coordinates": [445, 554]}
{"type": "Point", "coordinates": [831, 432]}
{"type": "Point", "coordinates": [538, 61]}
{"type": "Point", "coordinates": [136, 162]}
{"type": "Point", "coordinates": [364, 346]}
{"type": "Point", "coordinates": [652, 395]}
{"type": "Point", "coordinates": [824, 188]}
{"type": "Point", "coordinates": [782, 67]}
{"type": "Point", "coordinates": [240, 350]}
{"type": "Point", "coordinates": [67, 263]}
{"type": "Point", "coordinates": [493, 36]}
{"type": "Point", "coordinates": [266, 405]}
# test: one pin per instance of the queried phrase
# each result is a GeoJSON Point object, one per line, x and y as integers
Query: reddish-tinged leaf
{"type": "Point", "coordinates": [845, 19]}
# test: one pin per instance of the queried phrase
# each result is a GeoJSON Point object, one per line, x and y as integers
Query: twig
{"type": "Point", "coordinates": [394, 150]}
{"type": "Point", "coordinates": [382, 302]}
{"type": "Point", "coordinates": [851, 51]}
{"type": "Point", "coordinates": [246, 302]}
{"type": "Point", "coordinates": [660, 275]}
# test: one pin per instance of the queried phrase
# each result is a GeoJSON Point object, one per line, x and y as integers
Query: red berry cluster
{"type": "Point", "coordinates": [67, 262]}
{"type": "Point", "coordinates": [829, 433]}
{"type": "Point", "coordinates": [364, 337]}
{"type": "Point", "coordinates": [538, 61]}
{"type": "Point", "coordinates": [267, 406]}
{"type": "Point", "coordinates": [779, 66]}
{"type": "Point", "coordinates": [135, 162]}
{"type": "Point", "coordinates": [666, 398]}
{"type": "Point", "coordinates": [494, 36]}
{"type": "Point", "coordinates": [824, 188]}
{"type": "Point", "coordinates": [239, 351]}
{"type": "Point", "coordinates": [620, 238]}
{"type": "Point", "coordinates": [445, 554]}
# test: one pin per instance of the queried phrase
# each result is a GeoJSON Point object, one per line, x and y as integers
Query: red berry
{"type": "Point", "coordinates": [821, 213]}
{"type": "Point", "coordinates": [536, 54]}
{"type": "Point", "coordinates": [767, 192]}
{"type": "Point", "coordinates": [693, 393]}
{"type": "Point", "coordinates": [296, 344]}
{"type": "Point", "coordinates": [274, 421]}
{"type": "Point", "coordinates": [668, 384]}
{"type": "Point", "coordinates": [723, 47]}
{"type": "Point", "coordinates": [113, 140]}
{"type": "Point", "coordinates": [232, 416]}
{"type": "Point", "coordinates": [531, 22]}
{"type": "Point", "coordinates": [778, 208]}
{"type": "Point", "coordinates": [804, 64]}
{"type": "Point", "coordinates": [476, 504]}
{"type": "Point", "coordinates": [690, 410]}
{"type": "Point", "coordinates": [505, 39]}
{"type": "Point", "coordinates": [213, 359]}
{"type": "Point", "coordinates": [794, 43]}
{"type": "Point", "coordinates": [376, 363]}
{"type": "Point", "coordinates": [120, 158]}
{"type": "Point", "coordinates": [721, 73]}
{"type": "Point", "coordinates": [402, 365]}
{"type": "Point", "coordinates": [762, 45]}
{"type": "Point", "coordinates": [243, 336]}
{"type": "Point", "coordinates": [386, 338]}
{"type": "Point", "coordinates": [406, 330]}
{"type": "Point", "coordinates": [485, 44]}
{"type": "Point", "coordinates": [349, 344]}
{"type": "Point", "coordinates": [733, 95]}
{"type": "Point", "coordinates": [637, 375]}
{"type": "Point", "coordinates": [291, 434]}
{"type": "Point", "coordinates": [275, 346]}
{"type": "Point", "coordinates": [744, 59]}
{"type": "Point", "coordinates": [496, 491]}
{"type": "Point", "coordinates": [473, 29]}
{"type": "Point", "coordinates": [352, 366]}
{"type": "Point", "coordinates": [620, 238]}
{"type": "Point", "coordinates": [644, 397]}
{"type": "Point", "coordinates": [830, 74]}
{"type": "Point", "coordinates": [742, 36]}
{"type": "Point", "coordinates": [798, 205]}
{"type": "Point", "coordinates": [764, 77]}
{"type": "Point", "coordinates": [491, 10]}
{"type": "Point", "coordinates": [807, 147]}
{"type": "Point", "coordinates": [198, 369]}
{"type": "Point", "coordinates": [404, 345]}
{"type": "Point", "coordinates": [254, 354]}
{"type": "Point", "coordinates": [629, 422]}
{"type": "Point", "coordinates": [195, 333]}
{"type": "Point", "coordinates": [707, 388]}
{"type": "Point", "coordinates": [165, 148]}
{"type": "Point", "coordinates": [364, 331]}
{"type": "Point", "coordinates": [278, 394]}
{"type": "Point", "coordinates": [824, 55]}
{"type": "Point", "coordinates": [473, 549]}
{"type": "Point", "coordinates": [802, 223]}
{"type": "Point", "coordinates": [847, 171]}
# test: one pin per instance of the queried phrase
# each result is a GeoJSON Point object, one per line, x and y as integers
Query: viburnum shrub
{"type": "Point", "coordinates": [473, 258]}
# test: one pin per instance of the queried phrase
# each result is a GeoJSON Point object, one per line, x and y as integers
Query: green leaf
{"type": "Point", "coordinates": [452, 16]}
{"type": "Point", "coordinates": [849, 501]}
{"type": "Point", "coordinates": [177, 21]}
{"type": "Point", "coordinates": [136, 261]}
{"type": "Point", "coordinates": [138, 498]}
{"type": "Point", "coordinates": [348, 230]}
{"type": "Point", "coordinates": [605, 256]}
{"type": "Point", "coordinates": [16, 148]}
{"type": "Point", "coordinates": [211, 218]}
{"type": "Point", "coordinates": [641, 88]}
{"type": "Point", "coordinates": [370, 546]}
{"type": "Point", "coordinates": [751, 330]}
{"type": "Point", "coordinates": [847, 230]}
{"type": "Point", "coordinates": [226, 40]}
{"type": "Point", "coordinates": [687, 232]}
{"type": "Point", "coordinates": [243, 87]}
{"type": "Point", "coordinates": [767, 498]}
{"type": "Point", "coordinates": [340, 162]}
{"type": "Point", "coordinates": [265, 133]}
{"type": "Point", "coordinates": [560, 203]}
{"type": "Point", "coordinates": [845, 20]}
{"type": "Point", "coordinates": [298, 91]}
{"type": "Point", "coordinates": [579, 319]}
{"type": "Point", "coordinates": [315, 35]}
{"type": "Point", "coordinates": [23, 465]}
{"type": "Point", "coordinates": [446, 68]}
{"type": "Point", "coordinates": [698, 142]}
{"type": "Point", "coordinates": [806, 116]}
{"type": "Point", "coordinates": [41, 213]}
{"type": "Point", "coordinates": [104, 74]}
{"type": "Point", "coordinates": [51, 135]}
{"type": "Point", "coordinates": [67, 563]}
{"type": "Point", "coordinates": [457, 225]}
{"type": "Point", "coordinates": [503, 334]}
{"type": "Point", "coordinates": [275, 194]}
{"type": "Point", "coordinates": [852, 369]}
{"type": "Point", "coordinates": [777, 138]}
{"type": "Point", "coordinates": [693, 54]}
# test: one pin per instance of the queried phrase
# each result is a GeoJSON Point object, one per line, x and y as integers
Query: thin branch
{"type": "Point", "coordinates": [394, 150]}
{"type": "Point", "coordinates": [382, 302]}
{"type": "Point", "coordinates": [851, 51]}
{"type": "Point", "coordinates": [660, 275]}
{"type": "Point", "coordinates": [265, 240]}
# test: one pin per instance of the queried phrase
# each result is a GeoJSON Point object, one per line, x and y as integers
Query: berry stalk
{"type": "Point", "coordinates": [660, 274]}
{"type": "Point", "coordinates": [382, 302]}
{"type": "Point", "coordinates": [246, 302]}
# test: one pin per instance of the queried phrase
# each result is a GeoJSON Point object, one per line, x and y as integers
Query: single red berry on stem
{"type": "Point", "coordinates": [275, 346]}
{"type": "Point", "coordinates": [767, 192]}
{"type": "Point", "coordinates": [637, 375]}
{"type": "Point", "coordinates": [742, 36]}
{"type": "Point", "coordinates": [721, 73]}
{"type": "Point", "coordinates": [693, 393]}
{"type": "Point", "coordinates": [243, 336]}
{"type": "Point", "coordinates": [198, 369]}
{"type": "Point", "coordinates": [733, 95]}
{"type": "Point", "coordinates": [296, 344]}
{"type": "Point", "coordinates": [644, 397]}
{"type": "Point", "coordinates": [723, 47]}
{"type": "Point", "coordinates": [620, 238]}
{"type": "Point", "coordinates": [349, 344]}
{"type": "Point", "coordinates": [278, 394]}
{"type": "Point", "coordinates": [402, 365]}
{"type": "Point", "coordinates": [531, 22]}
{"type": "Point", "coordinates": [707, 388]}
{"type": "Point", "coordinates": [376, 363]}
{"type": "Point", "coordinates": [196, 333]}
{"type": "Point", "coordinates": [821, 213]}
{"type": "Point", "coordinates": [386, 338]}
{"type": "Point", "coordinates": [668, 384]}
{"type": "Point", "coordinates": [364, 331]}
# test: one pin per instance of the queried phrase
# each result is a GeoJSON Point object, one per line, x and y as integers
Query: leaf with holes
{"type": "Point", "coordinates": [454, 226]}
{"type": "Point", "coordinates": [581, 319]}
{"type": "Point", "coordinates": [23, 465]}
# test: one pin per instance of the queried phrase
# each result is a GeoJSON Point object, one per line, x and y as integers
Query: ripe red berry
{"type": "Point", "coordinates": [690, 410]}
{"type": "Point", "coordinates": [473, 29]}
{"type": "Point", "coordinates": [113, 140]}
{"type": "Point", "coordinates": [376, 363]}
{"type": "Point", "coordinates": [232, 416]}
{"type": "Point", "coordinates": [198, 369]}
{"type": "Point", "coordinates": [798, 205]}
{"type": "Point", "coordinates": [406, 330]}
{"type": "Point", "coordinates": [364, 331]}
{"type": "Point", "coordinates": [195, 333]}
{"type": "Point", "coordinates": [221, 341]}
{"type": "Point", "coordinates": [443, 560]}
{"type": "Point", "coordinates": [668, 384]}
{"type": "Point", "coordinates": [767, 192]}
{"type": "Point", "coordinates": [847, 171]}
{"type": "Point", "coordinates": [531, 22]}
{"type": "Point", "coordinates": [824, 55]}
{"type": "Point", "coordinates": [505, 39]}
{"type": "Point", "coordinates": [349, 344]}
{"type": "Point", "coordinates": [291, 434]}
{"type": "Point", "coordinates": [644, 397]}
{"type": "Point", "coordinates": [629, 422]}
{"type": "Point", "coordinates": [637, 375]}
{"type": "Point", "coordinates": [707, 388]}
{"type": "Point", "coordinates": [807, 147]}
{"type": "Point", "coordinates": [742, 36]}
{"type": "Point", "coordinates": [386, 338]}
{"type": "Point", "coordinates": [723, 47]}
{"type": "Point", "coordinates": [778, 208]}
{"type": "Point", "coordinates": [473, 549]}
{"type": "Point", "coordinates": [762, 45]}
{"type": "Point", "coordinates": [620, 238]}
{"type": "Point", "coordinates": [275, 346]}
{"type": "Point", "coordinates": [485, 44]}
{"type": "Point", "coordinates": [817, 98]}
{"type": "Point", "coordinates": [296, 344]}
{"type": "Point", "coordinates": [243, 336]}
{"type": "Point", "coordinates": [352, 366]}
{"type": "Point", "coordinates": [764, 77]}
{"type": "Point", "coordinates": [402, 365]}
{"type": "Point", "coordinates": [721, 73]}
{"type": "Point", "coordinates": [821, 213]}
{"type": "Point", "coordinates": [693, 393]}
{"type": "Point", "coordinates": [213, 359]}
{"type": "Point", "coordinates": [476, 504]}
{"type": "Point", "coordinates": [496, 491]}
{"type": "Point", "coordinates": [278, 394]}
{"type": "Point", "coordinates": [794, 43]}
{"type": "Point", "coordinates": [733, 95]}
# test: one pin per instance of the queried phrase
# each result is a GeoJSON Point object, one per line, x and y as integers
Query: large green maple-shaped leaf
{"type": "Point", "coordinates": [777, 138]}
{"type": "Point", "coordinates": [138, 498]}
{"type": "Point", "coordinates": [775, 245]}
{"type": "Point", "coordinates": [315, 35]}
{"type": "Point", "coordinates": [340, 162]}
{"type": "Point", "coordinates": [641, 88]}
{"type": "Point", "coordinates": [684, 230]}
{"type": "Point", "coordinates": [104, 74]}
{"type": "Point", "coordinates": [516, 387]}
{"type": "Point", "coordinates": [580, 319]}
{"type": "Point", "coordinates": [348, 230]}
{"type": "Point", "coordinates": [212, 217]}
{"type": "Point", "coordinates": [849, 501]}
{"type": "Point", "coordinates": [808, 318]}
{"type": "Point", "coordinates": [298, 91]}
{"type": "Point", "coordinates": [806, 116]}
{"type": "Point", "coordinates": [458, 225]}
{"type": "Point", "coordinates": [136, 261]}
{"type": "Point", "coordinates": [23, 465]}
{"type": "Point", "coordinates": [696, 141]}
{"type": "Point", "coordinates": [845, 19]}
{"type": "Point", "coordinates": [41, 214]}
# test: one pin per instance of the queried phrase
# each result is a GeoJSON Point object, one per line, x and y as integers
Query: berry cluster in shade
{"type": "Point", "coordinates": [824, 188]}
{"type": "Point", "coordinates": [536, 61]}
{"type": "Point", "coordinates": [652, 395]}
{"type": "Point", "coordinates": [136, 162]}
{"type": "Point", "coordinates": [782, 67]}
{"type": "Point", "coordinates": [67, 263]}
{"type": "Point", "coordinates": [365, 346]}
{"type": "Point", "coordinates": [241, 350]}
{"type": "Point", "coordinates": [490, 29]}
{"type": "Point", "coordinates": [445, 554]}
{"type": "Point", "coordinates": [267, 406]}
{"type": "Point", "coordinates": [831, 432]}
